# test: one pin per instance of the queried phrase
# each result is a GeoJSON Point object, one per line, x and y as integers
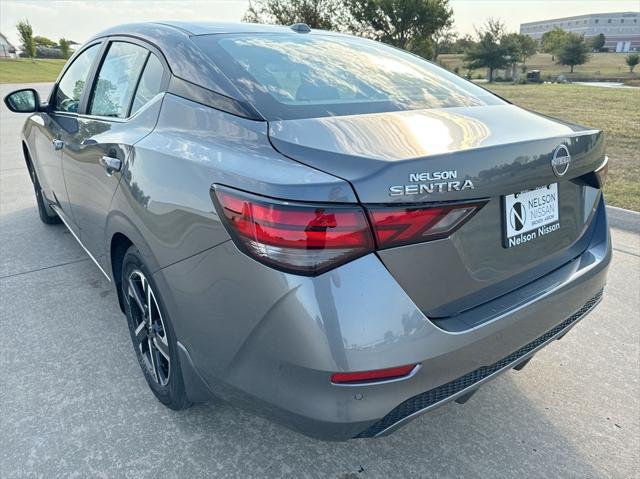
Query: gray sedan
{"type": "Point", "coordinates": [333, 233]}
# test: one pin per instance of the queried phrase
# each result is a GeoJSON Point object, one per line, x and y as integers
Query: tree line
{"type": "Point", "coordinates": [573, 49]}
{"type": "Point", "coordinates": [414, 25]}
{"type": "Point", "coordinates": [36, 46]}
{"type": "Point", "coordinates": [425, 27]}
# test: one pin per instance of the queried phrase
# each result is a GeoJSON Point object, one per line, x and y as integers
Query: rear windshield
{"type": "Point", "coordinates": [289, 76]}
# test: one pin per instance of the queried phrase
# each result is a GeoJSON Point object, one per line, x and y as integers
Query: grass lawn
{"type": "Point", "coordinates": [614, 110]}
{"type": "Point", "coordinates": [26, 71]}
{"type": "Point", "coordinates": [601, 65]}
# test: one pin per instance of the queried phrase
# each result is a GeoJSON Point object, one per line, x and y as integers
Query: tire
{"type": "Point", "coordinates": [151, 332]}
{"type": "Point", "coordinates": [47, 215]}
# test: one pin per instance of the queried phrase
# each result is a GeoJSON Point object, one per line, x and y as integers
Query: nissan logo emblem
{"type": "Point", "coordinates": [561, 160]}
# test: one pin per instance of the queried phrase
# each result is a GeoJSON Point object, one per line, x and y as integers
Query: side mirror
{"type": "Point", "coordinates": [23, 101]}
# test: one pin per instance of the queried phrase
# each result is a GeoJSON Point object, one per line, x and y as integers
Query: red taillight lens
{"type": "Point", "coordinates": [374, 375]}
{"type": "Point", "coordinates": [401, 226]}
{"type": "Point", "coordinates": [302, 238]}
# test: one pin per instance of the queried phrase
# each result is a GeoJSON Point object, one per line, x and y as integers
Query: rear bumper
{"type": "Point", "coordinates": [422, 403]}
{"type": "Point", "coordinates": [269, 341]}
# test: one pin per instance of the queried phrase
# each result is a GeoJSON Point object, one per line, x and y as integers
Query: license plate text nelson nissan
{"type": "Point", "coordinates": [325, 230]}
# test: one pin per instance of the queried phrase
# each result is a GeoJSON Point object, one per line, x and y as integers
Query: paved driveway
{"type": "Point", "coordinates": [73, 402]}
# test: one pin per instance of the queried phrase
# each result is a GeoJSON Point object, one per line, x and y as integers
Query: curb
{"type": "Point", "coordinates": [624, 219]}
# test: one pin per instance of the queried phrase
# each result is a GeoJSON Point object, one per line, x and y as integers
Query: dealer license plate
{"type": "Point", "coordinates": [530, 215]}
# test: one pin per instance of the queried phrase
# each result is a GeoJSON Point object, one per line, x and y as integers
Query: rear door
{"type": "Point", "coordinates": [121, 109]}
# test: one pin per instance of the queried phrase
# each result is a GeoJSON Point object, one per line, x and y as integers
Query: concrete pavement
{"type": "Point", "coordinates": [74, 403]}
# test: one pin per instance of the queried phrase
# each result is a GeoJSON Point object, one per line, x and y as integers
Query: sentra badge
{"type": "Point", "coordinates": [428, 183]}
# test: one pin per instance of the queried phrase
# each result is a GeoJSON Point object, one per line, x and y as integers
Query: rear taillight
{"type": "Point", "coordinates": [310, 238]}
{"type": "Point", "coordinates": [302, 238]}
{"type": "Point", "coordinates": [395, 226]}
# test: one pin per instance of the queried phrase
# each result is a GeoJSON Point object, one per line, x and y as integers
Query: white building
{"type": "Point", "coordinates": [621, 29]}
{"type": "Point", "coordinates": [6, 49]}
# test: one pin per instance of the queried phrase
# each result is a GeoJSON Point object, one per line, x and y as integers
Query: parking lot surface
{"type": "Point", "coordinates": [74, 403]}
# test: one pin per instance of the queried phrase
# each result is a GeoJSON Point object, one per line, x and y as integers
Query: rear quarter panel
{"type": "Point", "coordinates": [164, 196]}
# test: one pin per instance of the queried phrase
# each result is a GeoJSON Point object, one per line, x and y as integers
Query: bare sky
{"type": "Point", "coordinates": [78, 20]}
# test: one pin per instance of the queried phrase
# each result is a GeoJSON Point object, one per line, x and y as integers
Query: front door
{"type": "Point", "coordinates": [60, 119]}
{"type": "Point", "coordinates": [115, 119]}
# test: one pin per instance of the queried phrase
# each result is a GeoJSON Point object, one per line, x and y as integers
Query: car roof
{"type": "Point", "coordinates": [198, 28]}
{"type": "Point", "coordinates": [211, 28]}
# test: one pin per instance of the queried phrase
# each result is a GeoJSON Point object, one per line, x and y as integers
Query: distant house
{"type": "Point", "coordinates": [6, 49]}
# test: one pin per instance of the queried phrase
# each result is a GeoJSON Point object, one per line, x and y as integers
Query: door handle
{"type": "Point", "coordinates": [111, 165]}
{"type": "Point", "coordinates": [57, 144]}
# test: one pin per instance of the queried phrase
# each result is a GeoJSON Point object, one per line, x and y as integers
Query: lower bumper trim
{"type": "Point", "coordinates": [428, 400]}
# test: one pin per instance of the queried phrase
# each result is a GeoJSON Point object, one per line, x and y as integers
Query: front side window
{"type": "Point", "coordinates": [71, 86]}
{"type": "Point", "coordinates": [117, 80]}
{"type": "Point", "coordinates": [300, 76]}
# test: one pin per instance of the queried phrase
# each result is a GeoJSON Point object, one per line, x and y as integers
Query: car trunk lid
{"type": "Point", "coordinates": [458, 154]}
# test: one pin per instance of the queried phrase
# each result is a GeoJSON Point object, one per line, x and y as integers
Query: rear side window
{"type": "Point", "coordinates": [117, 80]}
{"type": "Point", "coordinates": [150, 83]}
{"type": "Point", "coordinates": [290, 75]}
{"type": "Point", "coordinates": [71, 85]}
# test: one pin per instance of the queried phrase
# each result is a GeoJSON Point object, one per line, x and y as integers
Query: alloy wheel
{"type": "Point", "coordinates": [149, 328]}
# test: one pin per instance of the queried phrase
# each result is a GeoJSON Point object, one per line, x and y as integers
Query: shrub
{"type": "Point", "coordinates": [48, 52]}
{"type": "Point", "coordinates": [632, 60]}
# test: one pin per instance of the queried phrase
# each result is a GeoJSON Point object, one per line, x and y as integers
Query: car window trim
{"type": "Point", "coordinates": [84, 109]}
{"type": "Point", "coordinates": [151, 49]}
{"type": "Point", "coordinates": [95, 68]}
{"type": "Point", "coordinates": [135, 89]}
{"type": "Point", "coordinates": [54, 90]}
{"type": "Point", "coordinates": [196, 93]}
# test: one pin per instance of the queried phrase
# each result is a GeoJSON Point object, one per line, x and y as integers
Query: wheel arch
{"type": "Point", "coordinates": [120, 243]}
{"type": "Point", "coordinates": [121, 234]}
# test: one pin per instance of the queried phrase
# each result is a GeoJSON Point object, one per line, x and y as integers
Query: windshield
{"type": "Point", "coordinates": [289, 76]}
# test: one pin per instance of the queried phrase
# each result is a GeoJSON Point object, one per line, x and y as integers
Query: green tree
{"type": "Point", "coordinates": [552, 41]}
{"type": "Point", "coordinates": [510, 44]}
{"type": "Point", "coordinates": [632, 59]}
{"type": "Point", "coordinates": [528, 47]}
{"type": "Point", "coordinates": [518, 48]}
{"type": "Point", "coordinates": [25, 32]}
{"type": "Point", "coordinates": [321, 14]}
{"type": "Point", "coordinates": [442, 41]}
{"type": "Point", "coordinates": [44, 42]}
{"type": "Point", "coordinates": [462, 44]}
{"type": "Point", "coordinates": [597, 42]}
{"type": "Point", "coordinates": [408, 24]}
{"type": "Point", "coordinates": [574, 51]}
{"type": "Point", "coordinates": [65, 47]}
{"type": "Point", "coordinates": [490, 50]}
